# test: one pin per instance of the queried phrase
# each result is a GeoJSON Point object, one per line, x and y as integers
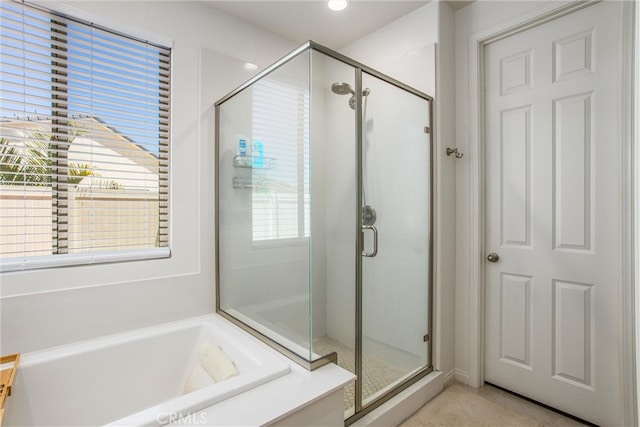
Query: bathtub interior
{"type": "Point", "coordinates": [129, 379]}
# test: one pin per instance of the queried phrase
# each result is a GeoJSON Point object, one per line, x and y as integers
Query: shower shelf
{"type": "Point", "coordinates": [248, 162]}
{"type": "Point", "coordinates": [248, 182]}
{"type": "Point", "coordinates": [240, 182]}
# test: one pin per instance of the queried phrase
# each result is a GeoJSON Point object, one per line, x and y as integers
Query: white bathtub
{"type": "Point", "coordinates": [134, 378]}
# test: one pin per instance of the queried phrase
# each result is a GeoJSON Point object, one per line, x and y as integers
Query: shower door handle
{"type": "Point", "coordinates": [375, 241]}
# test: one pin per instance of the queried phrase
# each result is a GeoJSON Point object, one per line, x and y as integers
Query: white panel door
{"type": "Point", "coordinates": [552, 329]}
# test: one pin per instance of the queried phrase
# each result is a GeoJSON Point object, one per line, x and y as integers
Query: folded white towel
{"type": "Point", "coordinates": [216, 363]}
{"type": "Point", "coordinates": [198, 378]}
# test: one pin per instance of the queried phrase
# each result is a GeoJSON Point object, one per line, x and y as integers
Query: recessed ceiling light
{"type": "Point", "coordinates": [250, 66]}
{"type": "Point", "coordinates": [337, 4]}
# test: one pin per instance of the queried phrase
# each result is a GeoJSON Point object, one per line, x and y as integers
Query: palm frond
{"type": "Point", "coordinates": [30, 162]}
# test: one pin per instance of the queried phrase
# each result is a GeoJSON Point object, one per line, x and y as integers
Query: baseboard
{"type": "Point", "coordinates": [405, 404]}
{"type": "Point", "coordinates": [449, 378]}
{"type": "Point", "coordinates": [462, 376]}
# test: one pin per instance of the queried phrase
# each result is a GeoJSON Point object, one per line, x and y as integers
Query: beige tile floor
{"type": "Point", "coordinates": [462, 405]}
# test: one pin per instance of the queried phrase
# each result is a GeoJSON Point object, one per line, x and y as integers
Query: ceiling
{"type": "Point", "coordinates": [304, 20]}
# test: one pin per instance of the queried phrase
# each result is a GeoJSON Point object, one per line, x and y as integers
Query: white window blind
{"type": "Point", "coordinates": [280, 198]}
{"type": "Point", "coordinates": [84, 149]}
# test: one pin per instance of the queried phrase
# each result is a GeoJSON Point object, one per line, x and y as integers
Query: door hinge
{"type": "Point", "coordinates": [427, 129]}
{"type": "Point", "coordinates": [425, 338]}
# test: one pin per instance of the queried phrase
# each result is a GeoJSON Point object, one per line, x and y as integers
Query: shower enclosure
{"type": "Point", "coordinates": [323, 219]}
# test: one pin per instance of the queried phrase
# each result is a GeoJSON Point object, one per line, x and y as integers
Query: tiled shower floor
{"type": "Point", "coordinates": [377, 373]}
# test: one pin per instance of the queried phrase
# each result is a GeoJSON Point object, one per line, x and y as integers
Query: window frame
{"type": "Point", "coordinates": [65, 13]}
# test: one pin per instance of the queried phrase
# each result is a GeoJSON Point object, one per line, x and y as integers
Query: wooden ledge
{"type": "Point", "coordinates": [7, 376]}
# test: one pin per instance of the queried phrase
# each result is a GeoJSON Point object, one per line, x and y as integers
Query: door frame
{"type": "Point", "coordinates": [629, 123]}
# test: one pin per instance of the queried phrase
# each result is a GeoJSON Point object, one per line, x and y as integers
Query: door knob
{"type": "Point", "coordinates": [493, 257]}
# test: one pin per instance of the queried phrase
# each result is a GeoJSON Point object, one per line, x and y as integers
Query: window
{"type": "Point", "coordinates": [280, 198]}
{"type": "Point", "coordinates": [84, 128]}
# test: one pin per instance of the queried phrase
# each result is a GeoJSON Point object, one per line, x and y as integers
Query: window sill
{"type": "Point", "coordinates": [68, 260]}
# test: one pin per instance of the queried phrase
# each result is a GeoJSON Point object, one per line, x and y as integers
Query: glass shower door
{"type": "Point", "coordinates": [323, 219]}
{"type": "Point", "coordinates": [396, 210]}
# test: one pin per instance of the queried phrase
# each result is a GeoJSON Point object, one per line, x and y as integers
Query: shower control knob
{"type": "Point", "coordinates": [493, 257]}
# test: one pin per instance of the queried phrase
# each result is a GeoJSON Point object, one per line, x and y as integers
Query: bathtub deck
{"type": "Point", "coordinates": [272, 403]}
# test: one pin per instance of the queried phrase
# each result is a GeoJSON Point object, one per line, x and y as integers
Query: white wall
{"type": "Point", "coordinates": [446, 208]}
{"type": "Point", "coordinates": [50, 307]}
{"type": "Point", "coordinates": [404, 51]}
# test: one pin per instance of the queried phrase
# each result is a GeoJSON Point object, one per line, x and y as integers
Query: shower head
{"type": "Point", "coordinates": [341, 88]}
{"type": "Point", "coordinates": [352, 100]}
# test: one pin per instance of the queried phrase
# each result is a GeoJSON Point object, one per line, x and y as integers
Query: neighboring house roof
{"type": "Point", "coordinates": [111, 156]}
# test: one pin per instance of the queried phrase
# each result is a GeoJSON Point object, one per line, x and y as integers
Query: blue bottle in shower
{"type": "Point", "coordinates": [242, 147]}
{"type": "Point", "coordinates": [258, 155]}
